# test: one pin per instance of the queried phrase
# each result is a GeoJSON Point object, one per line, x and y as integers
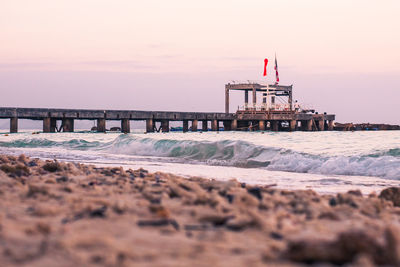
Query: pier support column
{"type": "Point", "coordinates": [227, 125]}
{"type": "Point", "coordinates": [292, 125]}
{"type": "Point", "coordinates": [254, 98]}
{"type": "Point", "coordinates": [194, 125]}
{"type": "Point", "coordinates": [165, 126]}
{"type": "Point", "coordinates": [14, 125]}
{"type": "Point", "coordinates": [234, 125]}
{"type": "Point", "coordinates": [49, 125]}
{"type": "Point", "coordinates": [204, 126]}
{"type": "Point", "coordinates": [149, 126]}
{"type": "Point", "coordinates": [214, 125]}
{"type": "Point", "coordinates": [261, 125]}
{"type": "Point", "coordinates": [125, 126]}
{"type": "Point", "coordinates": [185, 126]}
{"type": "Point", "coordinates": [226, 100]}
{"type": "Point", "coordinates": [309, 125]}
{"type": "Point", "coordinates": [275, 126]}
{"type": "Point", "coordinates": [68, 125]}
{"type": "Point", "coordinates": [101, 125]}
{"type": "Point", "coordinates": [330, 125]}
{"type": "Point", "coordinates": [321, 125]}
{"type": "Point", "coordinates": [246, 99]}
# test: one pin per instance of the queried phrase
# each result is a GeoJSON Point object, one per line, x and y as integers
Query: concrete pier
{"type": "Point", "coordinates": [125, 126]}
{"type": "Point", "coordinates": [14, 125]}
{"type": "Point", "coordinates": [241, 120]}
{"type": "Point", "coordinates": [101, 125]}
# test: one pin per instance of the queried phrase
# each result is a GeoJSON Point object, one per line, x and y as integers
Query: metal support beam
{"type": "Point", "coordinates": [195, 125]}
{"type": "Point", "coordinates": [101, 125]}
{"type": "Point", "coordinates": [14, 125]}
{"type": "Point", "coordinates": [204, 126]}
{"type": "Point", "coordinates": [185, 126]}
{"type": "Point", "coordinates": [214, 125]}
{"type": "Point", "coordinates": [125, 126]}
{"type": "Point", "coordinates": [149, 126]}
{"type": "Point", "coordinates": [165, 126]}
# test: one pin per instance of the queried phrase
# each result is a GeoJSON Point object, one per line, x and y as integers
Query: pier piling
{"type": "Point", "coordinates": [275, 126]}
{"type": "Point", "coordinates": [185, 126]}
{"type": "Point", "coordinates": [292, 125]}
{"type": "Point", "coordinates": [49, 125]}
{"type": "Point", "coordinates": [149, 126]}
{"type": "Point", "coordinates": [204, 126]}
{"type": "Point", "coordinates": [68, 125]}
{"type": "Point", "coordinates": [165, 126]}
{"type": "Point", "coordinates": [14, 125]}
{"type": "Point", "coordinates": [261, 125]}
{"type": "Point", "coordinates": [214, 125]}
{"type": "Point", "coordinates": [234, 125]}
{"type": "Point", "coordinates": [125, 126]}
{"type": "Point", "coordinates": [194, 125]}
{"type": "Point", "coordinates": [101, 125]}
{"type": "Point", "coordinates": [321, 125]}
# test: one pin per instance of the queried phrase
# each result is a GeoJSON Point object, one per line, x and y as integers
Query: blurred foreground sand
{"type": "Point", "coordinates": [65, 214]}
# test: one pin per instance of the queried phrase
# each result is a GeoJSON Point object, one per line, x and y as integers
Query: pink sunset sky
{"type": "Point", "coordinates": [342, 57]}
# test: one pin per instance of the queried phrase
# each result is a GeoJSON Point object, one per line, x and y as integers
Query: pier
{"type": "Point", "coordinates": [267, 116]}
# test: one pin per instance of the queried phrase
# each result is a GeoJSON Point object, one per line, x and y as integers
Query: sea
{"type": "Point", "coordinates": [328, 162]}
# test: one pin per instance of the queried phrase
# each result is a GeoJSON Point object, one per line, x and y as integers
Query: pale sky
{"type": "Point", "coordinates": [343, 57]}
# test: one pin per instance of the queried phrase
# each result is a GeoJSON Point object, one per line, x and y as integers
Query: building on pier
{"type": "Point", "coordinates": [276, 111]}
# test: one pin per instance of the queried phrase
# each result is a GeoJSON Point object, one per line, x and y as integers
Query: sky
{"type": "Point", "coordinates": [342, 57]}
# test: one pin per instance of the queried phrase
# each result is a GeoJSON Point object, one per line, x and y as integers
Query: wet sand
{"type": "Point", "coordinates": [66, 214]}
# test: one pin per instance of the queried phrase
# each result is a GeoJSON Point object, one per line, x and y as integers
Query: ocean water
{"type": "Point", "coordinates": [327, 162]}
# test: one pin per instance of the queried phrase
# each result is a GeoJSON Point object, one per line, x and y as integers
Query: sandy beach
{"type": "Point", "coordinates": [65, 214]}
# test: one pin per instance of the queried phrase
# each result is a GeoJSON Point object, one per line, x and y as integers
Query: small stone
{"type": "Point", "coordinates": [255, 191]}
{"type": "Point", "coordinates": [391, 194]}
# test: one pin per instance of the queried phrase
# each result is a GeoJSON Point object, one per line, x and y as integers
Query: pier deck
{"type": "Point", "coordinates": [241, 120]}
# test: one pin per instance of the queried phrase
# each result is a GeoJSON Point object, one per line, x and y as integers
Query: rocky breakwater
{"type": "Point", "coordinates": [65, 214]}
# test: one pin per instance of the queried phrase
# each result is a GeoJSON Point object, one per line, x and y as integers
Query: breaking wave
{"type": "Point", "coordinates": [385, 164]}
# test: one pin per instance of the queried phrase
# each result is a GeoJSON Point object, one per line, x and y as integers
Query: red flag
{"type": "Point", "coordinates": [265, 66]}
{"type": "Point", "coordinates": [276, 71]}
